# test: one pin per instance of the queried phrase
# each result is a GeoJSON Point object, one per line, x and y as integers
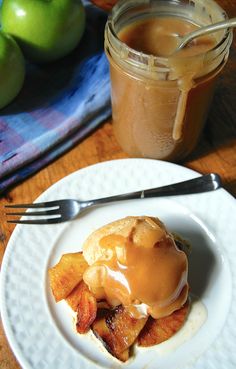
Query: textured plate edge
{"type": "Point", "coordinates": [5, 322]}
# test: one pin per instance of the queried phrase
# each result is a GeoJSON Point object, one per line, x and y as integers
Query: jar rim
{"type": "Point", "coordinates": [141, 58]}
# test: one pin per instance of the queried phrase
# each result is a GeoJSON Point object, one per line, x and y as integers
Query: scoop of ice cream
{"type": "Point", "coordinates": [135, 261]}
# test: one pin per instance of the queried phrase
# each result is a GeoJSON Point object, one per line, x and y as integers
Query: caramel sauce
{"type": "Point", "coordinates": [162, 119]}
{"type": "Point", "coordinates": [145, 268]}
{"type": "Point", "coordinates": [160, 36]}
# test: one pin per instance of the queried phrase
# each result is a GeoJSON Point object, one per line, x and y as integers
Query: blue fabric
{"type": "Point", "coordinates": [59, 105]}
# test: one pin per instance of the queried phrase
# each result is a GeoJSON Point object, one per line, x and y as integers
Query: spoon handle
{"type": "Point", "coordinates": [206, 30]}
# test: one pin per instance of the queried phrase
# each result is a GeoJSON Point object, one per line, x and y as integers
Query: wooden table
{"type": "Point", "coordinates": [216, 152]}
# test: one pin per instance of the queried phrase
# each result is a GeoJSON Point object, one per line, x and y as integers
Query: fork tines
{"type": "Point", "coordinates": [51, 213]}
{"type": "Point", "coordinates": [41, 205]}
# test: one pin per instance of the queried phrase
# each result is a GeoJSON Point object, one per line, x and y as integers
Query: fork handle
{"type": "Point", "coordinates": [205, 183]}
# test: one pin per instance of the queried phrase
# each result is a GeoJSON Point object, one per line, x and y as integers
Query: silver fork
{"type": "Point", "coordinates": [62, 210]}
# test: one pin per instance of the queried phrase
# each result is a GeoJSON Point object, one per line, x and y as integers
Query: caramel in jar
{"type": "Point", "coordinates": [160, 99]}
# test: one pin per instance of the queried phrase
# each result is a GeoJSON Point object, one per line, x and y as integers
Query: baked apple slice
{"type": "Point", "coordinates": [66, 274]}
{"type": "Point", "coordinates": [156, 331]}
{"type": "Point", "coordinates": [82, 301]}
{"type": "Point", "coordinates": [117, 330]}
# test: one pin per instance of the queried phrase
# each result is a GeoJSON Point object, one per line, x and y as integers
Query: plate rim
{"type": "Point", "coordinates": [6, 322]}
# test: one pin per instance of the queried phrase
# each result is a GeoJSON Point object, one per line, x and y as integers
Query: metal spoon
{"type": "Point", "coordinates": [205, 31]}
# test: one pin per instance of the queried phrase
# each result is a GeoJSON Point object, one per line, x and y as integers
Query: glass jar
{"type": "Point", "coordinates": [160, 104]}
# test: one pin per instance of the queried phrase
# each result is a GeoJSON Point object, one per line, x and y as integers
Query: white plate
{"type": "Point", "coordinates": [40, 332]}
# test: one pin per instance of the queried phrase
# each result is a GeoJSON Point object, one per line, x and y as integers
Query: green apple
{"type": "Point", "coordinates": [12, 69]}
{"type": "Point", "coordinates": [46, 30]}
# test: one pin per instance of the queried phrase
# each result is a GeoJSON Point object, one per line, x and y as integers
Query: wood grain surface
{"type": "Point", "coordinates": [216, 152]}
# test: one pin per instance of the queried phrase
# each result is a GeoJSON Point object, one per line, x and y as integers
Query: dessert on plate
{"type": "Point", "coordinates": [129, 285]}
